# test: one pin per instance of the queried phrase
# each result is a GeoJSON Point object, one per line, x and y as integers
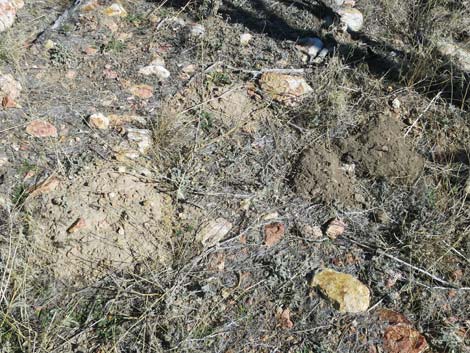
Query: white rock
{"type": "Point", "coordinates": [7, 14]}
{"type": "Point", "coordinates": [197, 30]}
{"type": "Point", "coordinates": [9, 86]}
{"type": "Point", "coordinates": [116, 10]}
{"type": "Point", "coordinates": [142, 137]}
{"type": "Point", "coordinates": [458, 53]}
{"type": "Point", "coordinates": [213, 232]}
{"type": "Point", "coordinates": [245, 38]}
{"type": "Point", "coordinates": [158, 70]}
{"type": "Point", "coordinates": [99, 121]}
{"type": "Point", "coordinates": [311, 46]}
{"type": "Point", "coordinates": [352, 18]}
{"type": "Point", "coordinates": [396, 104]}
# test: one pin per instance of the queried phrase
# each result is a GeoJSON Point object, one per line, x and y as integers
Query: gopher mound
{"type": "Point", "coordinates": [383, 151]}
{"type": "Point", "coordinates": [105, 220]}
{"type": "Point", "coordinates": [321, 176]}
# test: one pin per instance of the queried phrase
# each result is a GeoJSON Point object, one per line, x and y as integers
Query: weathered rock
{"type": "Point", "coordinates": [212, 232]}
{"type": "Point", "coordinates": [142, 137]}
{"type": "Point", "coordinates": [347, 293]}
{"type": "Point", "coordinates": [284, 88]}
{"type": "Point", "coordinates": [335, 228]}
{"type": "Point", "coordinates": [99, 121]}
{"type": "Point", "coordinates": [155, 69]}
{"type": "Point", "coordinates": [115, 10]}
{"type": "Point", "coordinates": [44, 187]}
{"type": "Point", "coordinates": [455, 51]}
{"type": "Point", "coordinates": [310, 46]}
{"type": "Point", "coordinates": [273, 233]}
{"type": "Point", "coordinates": [79, 224]}
{"type": "Point", "coordinates": [7, 14]}
{"type": "Point", "coordinates": [9, 87]}
{"type": "Point", "coordinates": [245, 38]}
{"type": "Point", "coordinates": [352, 18]}
{"type": "Point", "coordinates": [141, 91]}
{"type": "Point", "coordinates": [402, 338]}
{"type": "Point", "coordinates": [197, 30]}
{"type": "Point", "coordinates": [40, 128]}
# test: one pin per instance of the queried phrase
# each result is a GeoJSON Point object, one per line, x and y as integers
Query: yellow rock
{"type": "Point", "coordinates": [347, 293]}
{"type": "Point", "coordinates": [115, 10]}
{"type": "Point", "coordinates": [284, 88]}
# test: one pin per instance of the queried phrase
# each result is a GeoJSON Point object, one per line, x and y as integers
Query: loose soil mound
{"type": "Point", "coordinates": [384, 151]}
{"type": "Point", "coordinates": [321, 176]}
{"type": "Point", "coordinates": [125, 220]}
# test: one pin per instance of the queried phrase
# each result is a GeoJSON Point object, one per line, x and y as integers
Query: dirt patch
{"type": "Point", "coordinates": [383, 151]}
{"type": "Point", "coordinates": [322, 176]}
{"type": "Point", "coordinates": [107, 219]}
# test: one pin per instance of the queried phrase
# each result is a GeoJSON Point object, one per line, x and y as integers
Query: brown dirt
{"type": "Point", "coordinates": [322, 176]}
{"type": "Point", "coordinates": [382, 151]}
{"type": "Point", "coordinates": [126, 221]}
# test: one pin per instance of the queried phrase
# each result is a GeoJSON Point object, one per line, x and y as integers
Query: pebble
{"type": "Point", "coordinates": [212, 232]}
{"type": "Point", "coordinates": [335, 228]}
{"type": "Point", "coordinates": [347, 293]}
{"type": "Point", "coordinates": [352, 18]}
{"type": "Point", "coordinates": [99, 121]}
{"type": "Point", "coordinates": [8, 10]}
{"type": "Point", "coordinates": [9, 86]}
{"type": "Point", "coordinates": [155, 69]}
{"type": "Point", "coordinates": [197, 30]}
{"type": "Point", "coordinates": [245, 38]}
{"type": "Point", "coordinates": [141, 91]}
{"type": "Point", "coordinates": [40, 128]}
{"type": "Point", "coordinates": [284, 88]}
{"type": "Point", "coordinates": [311, 46]}
{"type": "Point", "coordinates": [142, 137]}
{"type": "Point", "coordinates": [115, 10]}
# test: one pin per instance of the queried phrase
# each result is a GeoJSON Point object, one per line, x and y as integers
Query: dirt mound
{"type": "Point", "coordinates": [322, 176]}
{"type": "Point", "coordinates": [106, 219]}
{"type": "Point", "coordinates": [384, 151]}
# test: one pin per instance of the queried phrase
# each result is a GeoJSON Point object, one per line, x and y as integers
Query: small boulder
{"type": "Point", "coordinates": [212, 232]}
{"type": "Point", "coordinates": [347, 293]}
{"type": "Point", "coordinates": [352, 18]}
{"type": "Point", "coordinates": [99, 121]}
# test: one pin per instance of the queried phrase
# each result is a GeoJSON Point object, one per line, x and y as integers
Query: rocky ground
{"type": "Point", "coordinates": [275, 176]}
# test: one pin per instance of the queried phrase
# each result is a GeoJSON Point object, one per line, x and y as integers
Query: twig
{"type": "Point", "coordinates": [402, 262]}
{"type": "Point", "coordinates": [408, 130]}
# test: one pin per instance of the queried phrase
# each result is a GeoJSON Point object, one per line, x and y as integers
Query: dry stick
{"type": "Point", "coordinates": [408, 130]}
{"type": "Point", "coordinates": [400, 261]}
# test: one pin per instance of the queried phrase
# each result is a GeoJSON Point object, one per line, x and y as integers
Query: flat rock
{"type": "Point", "coordinates": [286, 89]}
{"type": "Point", "coordinates": [213, 231]}
{"type": "Point", "coordinates": [348, 294]}
{"type": "Point", "coordinates": [40, 128]}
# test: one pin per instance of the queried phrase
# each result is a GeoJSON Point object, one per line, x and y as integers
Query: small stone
{"type": "Point", "coordinates": [7, 14]}
{"type": "Point", "coordinates": [396, 105]}
{"type": "Point", "coordinates": [314, 232]}
{"type": "Point", "coordinates": [79, 224]}
{"type": "Point", "coordinates": [49, 44]}
{"type": "Point", "coordinates": [3, 159]}
{"type": "Point", "coordinates": [71, 74]}
{"type": "Point", "coordinates": [9, 86]}
{"type": "Point", "coordinates": [158, 70]}
{"type": "Point", "coordinates": [213, 232]}
{"type": "Point", "coordinates": [99, 121]}
{"type": "Point", "coordinates": [284, 88]}
{"type": "Point", "coordinates": [402, 338]}
{"type": "Point", "coordinates": [335, 228]}
{"type": "Point", "coordinates": [142, 137]}
{"type": "Point", "coordinates": [348, 294]}
{"type": "Point", "coordinates": [245, 38]}
{"type": "Point", "coordinates": [197, 30]}
{"type": "Point", "coordinates": [90, 6]}
{"type": "Point", "coordinates": [141, 91]}
{"type": "Point", "coordinates": [352, 18]}
{"type": "Point", "coordinates": [48, 185]}
{"type": "Point", "coordinates": [90, 51]}
{"type": "Point", "coordinates": [273, 233]}
{"type": "Point", "coordinates": [40, 128]}
{"type": "Point", "coordinates": [8, 102]}
{"type": "Point", "coordinates": [115, 10]}
{"type": "Point", "coordinates": [311, 46]}
{"type": "Point", "coordinates": [189, 69]}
